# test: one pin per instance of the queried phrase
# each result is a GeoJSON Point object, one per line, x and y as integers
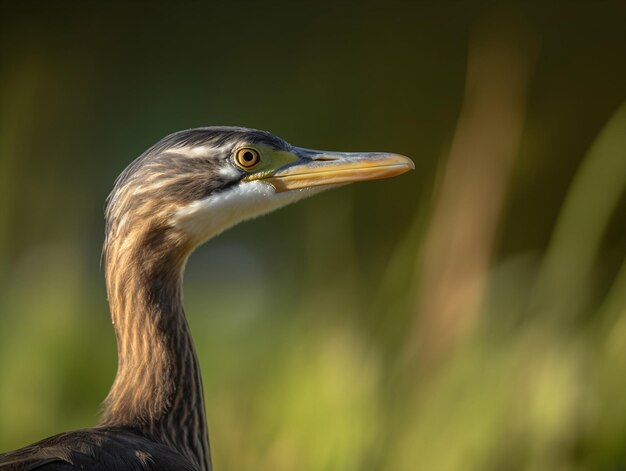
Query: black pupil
{"type": "Point", "coordinates": [248, 156]}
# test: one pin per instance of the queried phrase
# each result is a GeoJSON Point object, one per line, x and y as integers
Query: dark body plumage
{"type": "Point", "coordinates": [103, 448]}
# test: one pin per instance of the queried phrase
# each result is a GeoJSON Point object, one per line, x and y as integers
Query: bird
{"type": "Point", "coordinates": [185, 189]}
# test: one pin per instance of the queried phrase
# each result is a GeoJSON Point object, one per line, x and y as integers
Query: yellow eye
{"type": "Point", "coordinates": [247, 157]}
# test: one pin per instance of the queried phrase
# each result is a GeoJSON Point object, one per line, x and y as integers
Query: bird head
{"type": "Point", "coordinates": [194, 184]}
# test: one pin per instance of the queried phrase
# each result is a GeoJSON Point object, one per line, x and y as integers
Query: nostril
{"type": "Point", "coordinates": [324, 159]}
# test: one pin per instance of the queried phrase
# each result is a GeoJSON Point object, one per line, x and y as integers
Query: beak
{"type": "Point", "coordinates": [315, 168]}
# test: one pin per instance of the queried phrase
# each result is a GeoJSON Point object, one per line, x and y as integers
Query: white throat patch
{"type": "Point", "coordinates": [208, 217]}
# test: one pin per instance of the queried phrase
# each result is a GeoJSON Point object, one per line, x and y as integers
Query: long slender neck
{"type": "Point", "coordinates": [158, 387]}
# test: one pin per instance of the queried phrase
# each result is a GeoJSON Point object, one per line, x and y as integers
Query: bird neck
{"type": "Point", "coordinates": [158, 386]}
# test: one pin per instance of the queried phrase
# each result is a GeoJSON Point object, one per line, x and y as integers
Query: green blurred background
{"type": "Point", "coordinates": [468, 316]}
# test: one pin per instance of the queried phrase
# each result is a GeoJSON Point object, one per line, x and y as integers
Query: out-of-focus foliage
{"type": "Point", "coordinates": [470, 315]}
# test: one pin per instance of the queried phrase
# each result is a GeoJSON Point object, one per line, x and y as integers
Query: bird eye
{"type": "Point", "coordinates": [247, 157]}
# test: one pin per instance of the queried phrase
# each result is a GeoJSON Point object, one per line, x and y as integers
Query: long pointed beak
{"type": "Point", "coordinates": [315, 168]}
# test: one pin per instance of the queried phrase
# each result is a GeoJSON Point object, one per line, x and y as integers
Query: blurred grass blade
{"type": "Point", "coordinates": [459, 244]}
{"type": "Point", "coordinates": [589, 204]}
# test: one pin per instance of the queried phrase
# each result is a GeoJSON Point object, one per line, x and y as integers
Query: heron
{"type": "Point", "coordinates": [185, 189]}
